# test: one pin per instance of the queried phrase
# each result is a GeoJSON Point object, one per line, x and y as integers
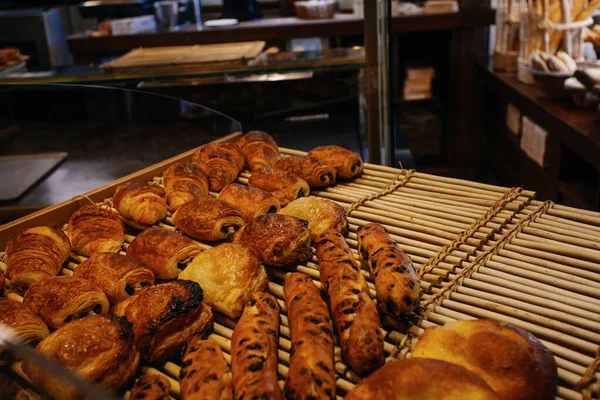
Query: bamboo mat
{"type": "Point", "coordinates": [481, 251]}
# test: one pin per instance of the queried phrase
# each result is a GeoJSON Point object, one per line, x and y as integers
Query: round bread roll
{"type": "Point", "coordinates": [512, 361]}
{"type": "Point", "coordinates": [423, 379]}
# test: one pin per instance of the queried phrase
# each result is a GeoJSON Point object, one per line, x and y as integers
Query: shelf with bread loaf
{"type": "Point", "coordinates": [360, 281]}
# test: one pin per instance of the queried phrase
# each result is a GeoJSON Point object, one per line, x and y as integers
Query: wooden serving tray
{"type": "Point", "coordinates": [481, 251]}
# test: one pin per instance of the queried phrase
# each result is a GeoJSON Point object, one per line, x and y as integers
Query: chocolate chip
{"type": "Point", "coordinates": [255, 367]}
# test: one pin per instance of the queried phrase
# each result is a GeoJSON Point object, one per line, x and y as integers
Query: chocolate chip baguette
{"type": "Point", "coordinates": [150, 387]}
{"type": "Point", "coordinates": [354, 313]}
{"type": "Point", "coordinates": [311, 374]}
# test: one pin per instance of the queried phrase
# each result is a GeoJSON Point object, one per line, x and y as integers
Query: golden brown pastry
{"type": "Point", "coordinates": [164, 251]}
{"type": "Point", "coordinates": [355, 316]}
{"type": "Point", "coordinates": [259, 149]}
{"type": "Point", "coordinates": [209, 219]}
{"type": "Point", "coordinates": [2, 283]}
{"type": "Point", "coordinates": [204, 375]}
{"type": "Point", "coordinates": [254, 347]}
{"type": "Point", "coordinates": [221, 162]}
{"type": "Point", "coordinates": [278, 239]}
{"type": "Point", "coordinates": [315, 172]}
{"type": "Point", "coordinates": [184, 182]}
{"type": "Point", "coordinates": [228, 275]}
{"type": "Point", "coordinates": [145, 204]}
{"type": "Point", "coordinates": [30, 327]}
{"type": "Point", "coordinates": [165, 317]}
{"type": "Point", "coordinates": [98, 348]}
{"type": "Point", "coordinates": [11, 390]}
{"type": "Point", "coordinates": [116, 275]}
{"type": "Point", "coordinates": [36, 253]}
{"type": "Point", "coordinates": [93, 229]}
{"type": "Point", "coordinates": [150, 387]}
{"type": "Point", "coordinates": [251, 202]}
{"type": "Point", "coordinates": [512, 361]}
{"type": "Point", "coordinates": [322, 214]}
{"type": "Point", "coordinates": [396, 282]}
{"type": "Point", "coordinates": [347, 163]}
{"type": "Point", "coordinates": [61, 299]}
{"type": "Point", "coordinates": [423, 379]}
{"type": "Point", "coordinates": [311, 374]}
{"type": "Point", "coordinates": [284, 185]}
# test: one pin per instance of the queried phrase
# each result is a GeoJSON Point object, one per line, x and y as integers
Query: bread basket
{"type": "Point", "coordinates": [315, 9]}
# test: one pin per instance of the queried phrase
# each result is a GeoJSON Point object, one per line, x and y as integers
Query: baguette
{"type": "Point", "coordinates": [354, 314]}
{"type": "Point", "coordinates": [311, 374]}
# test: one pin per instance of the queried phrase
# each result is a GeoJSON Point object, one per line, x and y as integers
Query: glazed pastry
{"type": "Point", "coordinates": [228, 275]}
{"type": "Point", "coordinates": [311, 374]}
{"type": "Point", "coordinates": [259, 149]}
{"type": "Point", "coordinates": [321, 214]}
{"type": "Point", "coordinates": [36, 253]}
{"type": "Point", "coordinates": [11, 390]}
{"type": "Point", "coordinates": [347, 163]}
{"type": "Point", "coordinates": [145, 204]}
{"type": "Point", "coordinates": [116, 275]}
{"type": "Point", "coordinates": [283, 185]}
{"type": "Point", "coordinates": [93, 229]}
{"type": "Point", "coordinates": [278, 239]}
{"type": "Point", "coordinates": [209, 219]}
{"type": "Point", "coordinates": [61, 299]}
{"type": "Point", "coordinates": [221, 162]}
{"type": "Point", "coordinates": [151, 387]}
{"type": "Point", "coordinates": [98, 348]}
{"type": "Point", "coordinates": [30, 327]}
{"type": "Point", "coordinates": [164, 251]}
{"type": "Point", "coordinates": [396, 281]}
{"type": "Point", "coordinates": [184, 182]}
{"type": "Point", "coordinates": [165, 317]}
{"type": "Point", "coordinates": [254, 347]}
{"type": "Point", "coordinates": [355, 316]}
{"type": "Point", "coordinates": [204, 375]}
{"type": "Point", "coordinates": [251, 202]}
{"type": "Point", "coordinates": [315, 172]}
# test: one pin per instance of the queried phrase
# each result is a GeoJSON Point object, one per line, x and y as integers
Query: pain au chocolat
{"type": "Point", "coordinates": [285, 186]}
{"type": "Point", "coordinates": [29, 327]}
{"type": "Point", "coordinates": [251, 202]}
{"type": "Point", "coordinates": [315, 172]}
{"type": "Point", "coordinates": [347, 163]}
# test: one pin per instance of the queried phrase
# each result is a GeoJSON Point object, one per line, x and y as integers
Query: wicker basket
{"type": "Point", "coordinates": [506, 50]}
{"type": "Point", "coordinates": [322, 9]}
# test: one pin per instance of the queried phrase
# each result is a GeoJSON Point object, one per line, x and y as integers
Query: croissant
{"type": "Point", "coordinates": [163, 251]}
{"type": "Point", "coordinates": [222, 162]}
{"type": "Point", "coordinates": [142, 203]}
{"type": "Point", "coordinates": [321, 214]}
{"type": "Point", "coordinates": [315, 172]}
{"type": "Point", "coordinates": [184, 182]}
{"type": "Point", "coordinates": [93, 229]}
{"type": "Point", "coordinates": [116, 275]}
{"type": "Point", "coordinates": [285, 186]}
{"type": "Point", "coordinates": [251, 202]}
{"type": "Point", "coordinates": [347, 163]}
{"type": "Point", "coordinates": [259, 149]}
{"type": "Point", "coordinates": [278, 239]}
{"type": "Point", "coordinates": [60, 299]}
{"type": "Point", "coordinates": [165, 317]}
{"type": "Point", "coordinates": [209, 219]}
{"type": "Point", "coordinates": [36, 253]}
{"type": "Point", "coordinates": [151, 387]}
{"type": "Point", "coordinates": [98, 348]}
{"type": "Point", "coordinates": [29, 326]}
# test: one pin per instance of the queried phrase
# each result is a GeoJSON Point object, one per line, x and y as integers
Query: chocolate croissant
{"type": "Point", "coordinates": [61, 299]}
{"type": "Point", "coordinates": [284, 185]}
{"type": "Point", "coordinates": [162, 250]}
{"type": "Point", "coordinates": [221, 162]}
{"type": "Point", "coordinates": [165, 317]}
{"type": "Point", "coordinates": [315, 172]}
{"type": "Point", "coordinates": [145, 204]}
{"type": "Point", "coordinates": [278, 239]}
{"type": "Point", "coordinates": [184, 182]}
{"type": "Point", "coordinates": [259, 149]}
{"type": "Point", "coordinates": [321, 214]}
{"type": "Point", "coordinates": [209, 219]}
{"type": "Point", "coordinates": [347, 163]}
{"type": "Point", "coordinates": [93, 229]}
{"type": "Point", "coordinates": [251, 202]}
{"type": "Point", "coordinates": [28, 326]}
{"type": "Point", "coordinates": [116, 275]}
{"type": "Point", "coordinates": [98, 348]}
{"type": "Point", "coordinates": [36, 253]}
{"type": "Point", "coordinates": [150, 387]}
